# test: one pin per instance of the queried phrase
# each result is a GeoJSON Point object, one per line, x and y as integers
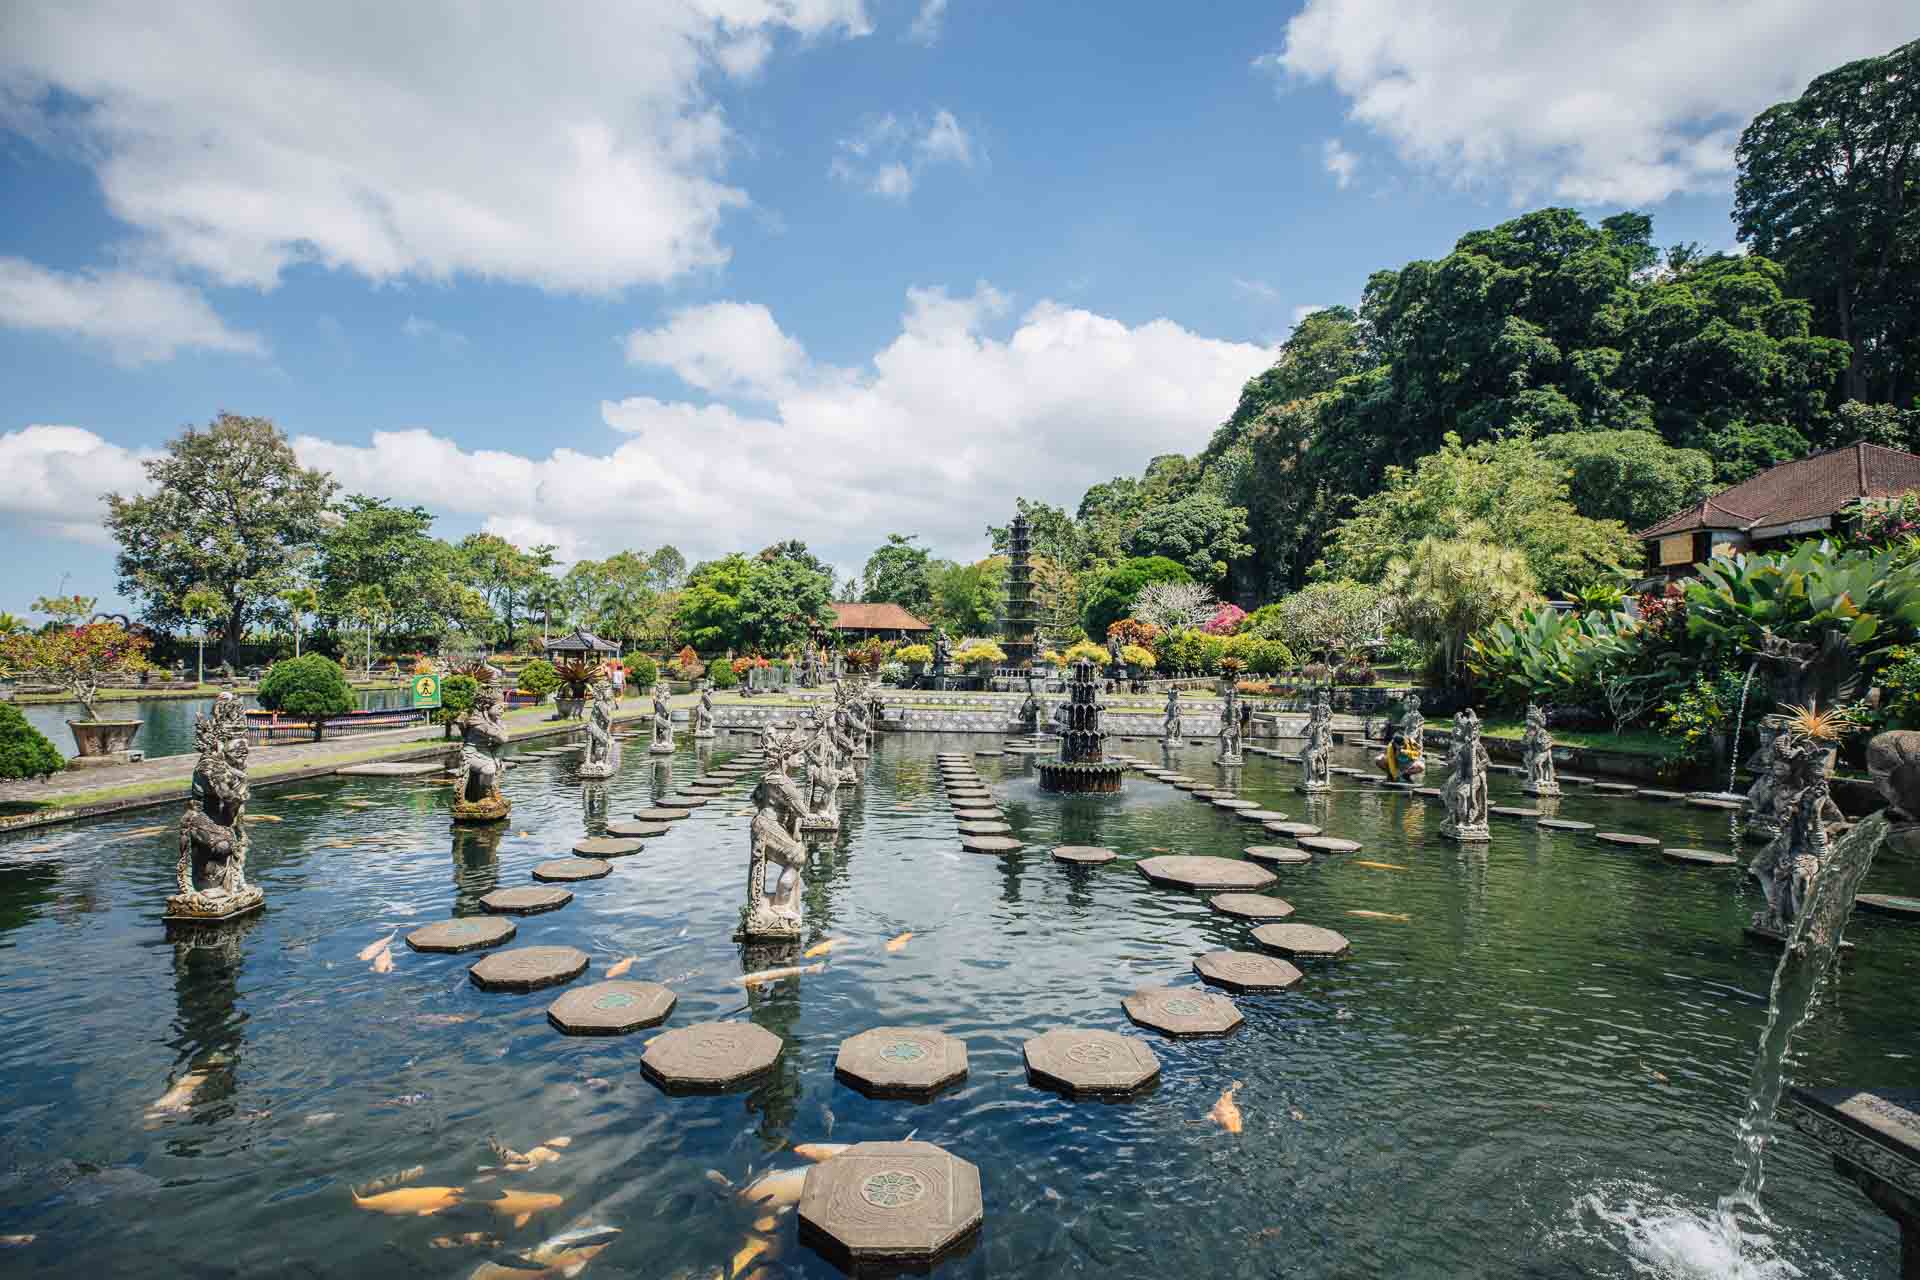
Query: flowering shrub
{"type": "Point", "coordinates": [1085, 649]}
{"type": "Point", "coordinates": [1225, 620]}
{"type": "Point", "coordinates": [983, 651]}
{"type": "Point", "coordinates": [75, 658]}
{"type": "Point", "coordinates": [1137, 657]}
{"type": "Point", "coordinates": [894, 673]}
{"type": "Point", "coordinates": [743, 665]}
{"type": "Point", "coordinates": [1879, 523]}
{"type": "Point", "coordinates": [1699, 711]}
{"type": "Point", "coordinates": [914, 653]}
{"type": "Point", "coordinates": [1254, 686]}
{"type": "Point", "coordinates": [1133, 631]}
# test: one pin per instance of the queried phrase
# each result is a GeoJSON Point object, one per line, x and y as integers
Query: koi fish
{"type": "Point", "coordinates": [818, 1151]}
{"type": "Point", "coordinates": [519, 1162]}
{"type": "Point", "coordinates": [621, 966]}
{"type": "Point", "coordinates": [775, 1189]}
{"type": "Point", "coordinates": [565, 1255]}
{"type": "Point", "coordinates": [1379, 866]}
{"type": "Point", "coordinates": [1402, 917]}
{"type": "Point", "coordinates": [304, 795]}
{"type": "Point", "coordinates": [822, 948]}
{"type": "Point", "coordinates": [441, 1019]}
{"type": "Point", "coordinates": [17, 1242]}
{"type": "Point", "coordinates": [383, 963]}
{"type": "Point", "coordinates": [179, 1098]}
{"type": "Point", "coordinates": [263, 817]}
{"type": "Point", "coordinates": [900, 943]}
{"type": "Point", "coordinates": [1226, 1112]}
{"type": "Point", "coordinates": [558, 1143]}
{"type": "Point", "coordinates": [139, 831]}
{"type": "Point", "coordinates": [775, 975]}
{"type": "Point", "coordinates": [522, 1205]}
{"type": "Point", "coordinates": [391, 1181]}
{"type": "Point", "coordinates": [373, 949]}
{"type": "Point", "coordinates": [409, 1202]}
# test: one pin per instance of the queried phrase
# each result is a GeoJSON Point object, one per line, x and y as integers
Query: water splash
{"type": "Point", "coordinates": [1664, 1237]}
{"type": "Point", "coordinates": [1739, 719]}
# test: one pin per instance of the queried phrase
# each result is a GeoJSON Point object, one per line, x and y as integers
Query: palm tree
{"type": "Point", "coordinates": [300, 602]}
{"type": "Point", "coordinates": [367, 607]}
{"type": "Point", "coordinates": [202, 605]}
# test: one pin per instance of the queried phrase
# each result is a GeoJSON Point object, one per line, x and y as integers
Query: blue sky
{"type": "Point", "coordinates": [720, 272]}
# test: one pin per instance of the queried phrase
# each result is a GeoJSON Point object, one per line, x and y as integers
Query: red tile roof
{"type": "Point", "coordinates": [876, 617]}
{"type": "Point", "coordinates": [1822, 485]}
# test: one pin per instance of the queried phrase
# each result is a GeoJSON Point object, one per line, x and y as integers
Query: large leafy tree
{"type": "Point", "coordinates": [614, 597]}
{"type": "Point", "coordinates": [967, 598]}
{"type": "Point", "coordinates": [1446, 589]}
{"type": "Point", "coordinates": [1634, 477]}
{"type": "Point", "coordinates": [708, 615]}
{"type": "Point", "coordinates": [897, 573]}
{"type": "Point", "coordinates": [375, 545]}
{"type": "Point", "coordinates": [230, 509]}
{"type": "Point", "coordinates": [1109, 594]}
{"type": "Point", "coordinates": [1829, 186]}
{"type": "Point", "coordinates": [669, 567]}
{"type": "Point", "coordinates": [1199, 532]}
{"type": "Point", "coordinates": [506, 576]}
{"type": "Point", "coordinates": [1052, 532]}
{"type": "Point", "coordinates": [781, 602]}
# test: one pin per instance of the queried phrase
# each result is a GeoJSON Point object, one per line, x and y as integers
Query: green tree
{"type": "Point", "coordinates": [708, 614]}
{"type": "Point", "coordinates": [1051, 531]}
{"type": "Point", "coordinates": [897, 573]}
{"type": "Point", "coordinates": [300, 602]}
{"type": "Point", "coordinates": [669, 567]}
{"type": "Point", "coordinates": [1326, 620]}
{"type": "Point", "coordinates": [230, 509]}
{"type": "Point", "coordinates": [376, 545]}
{"type": "Point", "coordinates": [795, 550]}
{"type": "Point", "coordinates": [24, 750]}
{"type": "Point", "coordinates": [1110, 594]}
{"type": "Point", "coordinates": [456, 699]}
{"type": "Point", "coordinates": [201, 607]}
{"type": "Point", "coordinates": [538, 678]}
{"type": "Point", "coordinates": [1447, 589]}
{"type": "Point", "coordinates": [967, 598]}
{"type": "Point", "coordinates": [366, 609]}
{"type": "Point", "coordinates": [312, 687]}
{"type": "Point", "coordinates": [780, 598]}
{"type": "Point", "coordinates": [1634, 477]}
{"type": "Point", "coordinates": [614, 597]}
{"type": "Point", "coordinates": [67, 611]}
{"type": "Point", "coordinates": [1199, 532]}
{"type": "Point", "coordinates": [505, 575]}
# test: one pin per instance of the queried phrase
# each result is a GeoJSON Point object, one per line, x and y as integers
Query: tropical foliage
{"type": "Point", "coordinates": [311, 686]}
{"type": "Point", "coordinates": [24, 750]}
{"type": "Point", "coordinates": [76, 659]}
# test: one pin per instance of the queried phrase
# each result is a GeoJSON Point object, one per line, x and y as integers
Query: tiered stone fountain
{"type": "Point", "coordinates": [1082, 765]}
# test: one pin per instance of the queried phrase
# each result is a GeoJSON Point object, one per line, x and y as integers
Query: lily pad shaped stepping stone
{"type": "Point", "coordinates": [1565, 824]}
{"type": "Point", "coordinates": [1284, 854]}
{"type": "Point", "coordinates": [529, 900]}
{"type": "Point", "coordinates": [1263, 815]}
{"type": "Point", "coordinates": [1251, 906]}
{"type": "Point", "coordinates": [606, 847]}
{"type": "Point", "coordinates": [567, 870]}
{"type": "Point", "coordinates": [1302, 941]}
{"type": "Point", "coordinates": [709, 1056]}
{"type": "Point", "coordinates": [1084, 854]}
{"type": "Point", "coordinates": [610, 1008]}
{"type": "Point", "coordinates": [1890, 904]}
{"type": "Point", "coordinates": [528, 968]}
{"type": "Point", "coordinates": [1087, 1062]}
{"type": "Point", "coordinates": [1328, 844]}
{"type": "Point", "coordinates": [454, 936]}
{"type": "Point", "coordinates": [1183, 871]}
{"type": "Point", "coordinates": [1246, 971]}
{"type": "Point", "coordinates": [985, 829]}
{"type": "Point", "coordinates": [1294, 829]}
{"type": "Point", "coordinates": [990, 844]}
{"type": "Point", "coordinates": [1177, 1011]}
{"type": "Point", "coordinates": [901, 1062]}
{"type": "Point", "coordinates": [1701, 858]}
{"type": "Point", "coordinates": [663, 813]}
{"type": "Point", "coordinates": [1632, 841]}
{"type": "Point", "coordinates": [890, 1203]}
{"type": "Point", "coordinates": [1513, 810]}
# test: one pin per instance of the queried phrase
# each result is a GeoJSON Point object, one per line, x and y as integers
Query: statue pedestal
{"type": "Point", "coordinates": [1546, 789]}
{"type": "Point", "coordinates": [763, 926]}
{"type": "Point", "coordinates": [213, 908]}
{"type": "Point", "coordinates": [1873, 1136]}
{"type": "Point", "coordinates": [596, 769]}
{"type": "Point", "coordinates": [706, 732]}
{"type": "Point", "coordinates": [820, 822]}
{"type": "Point", "coordinates": [660, 749]}
{"type": "Point", "coordinates": [490, 809]}
{"type": "Point", "coordinates": [1470, 833]}
{"type": "Point", "coordinates": [1232, 761]}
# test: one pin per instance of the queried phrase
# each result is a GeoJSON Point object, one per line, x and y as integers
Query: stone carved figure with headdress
{"type": "Point", "coordinates": [662, 744]}
{"type": "Point", "coordinates": [1536, 750]}
{"type": "Point", "coordinates": [603, 750]}
{"type": "Point", "coordinates": [211, 874]}
{"type": "Point", "coordinates": [1316, 752]}
{"type": "Point", "coordinates": [1465, 791]}
{"type": "Point", "coordinates": [777, 856]}
{"type": "Point", "coordinates": [476, 793]}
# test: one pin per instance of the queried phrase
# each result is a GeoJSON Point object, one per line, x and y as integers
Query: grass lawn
{"type": "Point", "coordinates": [1639, 742]}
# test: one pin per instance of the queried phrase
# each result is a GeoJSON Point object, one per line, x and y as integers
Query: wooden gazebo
{"type": "Point", "coordinates": [580, 643]}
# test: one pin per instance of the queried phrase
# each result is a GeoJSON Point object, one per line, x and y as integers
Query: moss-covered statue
{"type": "Point", "coordinates": [1229, 754]}
{"type": "Point", "coordinates": [777, 856]}
{"type": "Point", "coordinates": [1802, 810]}
{"type": "Point", "coordinates": [1768, 769]}
{"type": "Point", "coordinates": [476, 792]}
{"type": "Point", "coordinates": [211, 875]}
{"type": "Point", "coordinates": [823, 775]}
{"type": "Point", "coordinates": [1537, 753]}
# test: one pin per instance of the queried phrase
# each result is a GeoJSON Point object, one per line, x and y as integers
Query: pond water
{"type": "Point", "coordinates": [168, 730]}
{"type": "Point", "coordinates": [1526, 1077]}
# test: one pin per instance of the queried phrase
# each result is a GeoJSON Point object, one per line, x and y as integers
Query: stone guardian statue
{"type": "Point", "coordinates": [1803, 808]}
{"type": "Point", "coordinates": [1170, 722]}
{"type": "Point", "coordinates": [1316, 753]}
{"type": "Point", "coordinates": [1230, 728]}
{"type": "Point", "coordinates": [1465, 792]}
{"type": "Point", "coordinates": [1537, 754]}
{"type": "Point", "coordinates": [823, 778]}
{"type": "Point", "coordinates": [662, 744]}
{"type": "Point", "coordinates": [776, 860]}
{"type": "Point", "coordinates": [476, 793]}
{"type": "Point", "coordinates": [1761, 821]}
{"type": "Point", "coordinates": [703, 712]}
{"type": "Point", "coordinates": [211, 875]}
{"type": "Point", "coordinates": [603, 749]}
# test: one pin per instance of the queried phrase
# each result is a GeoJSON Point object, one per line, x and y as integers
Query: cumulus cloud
{"type": "Point", "coordinates": [926, 24]}
{"type": "Point", "coordinates": [722, 347]}
{"type": "Point", "coordinates": [886, 155]}
{"type": "Point", "coordinates": [56, 476]}
{"type": "Point", "coordinates": [138, 318]}
{"type": "Point", "coordinates": [1338, 161]}
{"type": "Point", "coordinates": [570, 148]}
{"type": "Point", "coordinates": [1627, 102]}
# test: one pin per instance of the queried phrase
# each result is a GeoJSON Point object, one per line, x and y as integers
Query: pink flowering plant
{"type": "Point", "coordinates": [1225, 620]}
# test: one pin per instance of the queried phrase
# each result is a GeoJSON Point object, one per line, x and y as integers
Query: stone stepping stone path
{"type": "Point", "coordinates": [1282, 854]}
{"type": "Point", "coordinates": [1236, 804]}
{"type": "Point", "coordinates": [471, 933]}
{"type": "Point", "coordinates": [1627, 839]}
{"type": "Point", "coordinates": [663, 813]}
{"type": "Point", "coordinates": [985, 829]}
{"type": "Point", "coordinates": [1328, 844]}
{"type": "Point", "coordinates": [1246, 971]}
{"type": "Point", "coordinates": [1701, 858]}
{"type": "Point", "coordinates": [710, 1056]}
{"type": "Point", "coordinates": [1431, 793]}
{"type": "Point", "coordinates": [990, 753]}
{"type": "Point", "coordinates": [1615, 788]}
{"type": "Point", "coordinates": [1513, 810]}
{"type": "Point", "coordinates": [977, 814]}
{"type": "Point", "coordinates": [1650, 793]}
{"type": "Point", "coordinates": [1888, 904]}
{"type": "Point", "coordinates": [1176, 1011]}
{"type": "Point", "coordinates": [598, 847]}
{"type": "Point", "coordinates": [901, 1062]}
{"type": "Point", "coordinates": [1262, 815]}
{"type": "Point", "coordinates": [890, 1205]}
{"type": "Point", "coordinates": [686, 801]}
{"type": "Point", "coordinates": [1186, 871]}
{"type": "Point", "coordinates": [1208, 794]}
{"type": "Point", "coordinates": [990, 844]}
{"type": "Point", "coordinates": [1302, 941]}
{"type": "Point", "coordinates": [1085, 855]}
{"type": "Point", "coordinates": [566, 870]}
{"type": "Point", "coordinates": [1715, 802]}
{"type": "Point", "coordinates": [1565, 824]}
{"type": "Point", "coordinates": [1294, 829]}
{"type": "Point", "coordinates": [390, 769]}
{"type": "Point", "coordinates": [634, 829]}
{"type": "Point", "coordinates": [528, 900]}
{"type": "Point", "coordinates": [1084, 1062]}
{"type": "Point", "coordinates": [610, 1008]}
{"type": "Point", "coordinates": [1252, 906]}
{"type": "Point", "coordinates": [1189, 784]}
{"type": "Point", "coordinates": [528, 968]}
{"type": "Point", "coordinates": [1576, 779]}
{"type": "Point", "coordinates": [970, 793]}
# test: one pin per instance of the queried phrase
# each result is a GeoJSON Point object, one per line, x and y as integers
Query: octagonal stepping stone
{"type": "Point", "coordinates": [1887, 904]}
{"type": "Point", "coordinates": [610, 1008]}
{"type": "Point", "coordinates": [1701, 858]}
{"type": "Point", "coordinates": [1615, 788]}
{"type": "Point", "coordinates": [971, 793]}
{"type": "Point", "coordinates": [1175, 778]}
{"type": "Point", "coordinates": [1176, 1011]}
{"type": "Point", "coordinates": [1653, 793]}
{"type": "Point", "coordinates": [1628, 839]}
{"type": "Point", "coordinates": [890, 1205]}
{"type": "Point", "coordinates": [607, 846]}
{"type": "Point", "coordinates": [567, 870]}
{"type": "Point", "coordinates": [1207, 794]}
{"type": "Point", "coordinates": [528, 968]}
{"type": "Point", "coordinates": [1262, 815]}
{"type": "Point", "coordinates": [450, 937]}
{"type": "Point", "coordinates": [1302, 941]}
{"type": "Point", "coordinates": [1294, 829]}
{"type": "Point", "coordinates": [710, 1056]}
{"type": "Point", "coordinates": [1188, 784]}
{"type": "Point", "coordinates": [634, 829]}
{"type": "Point", "coordinates": [685, 801]}
{"type": "Point", "coordinates": [1085, 855]}
{"type": "Point", "coordinates": [985, 829]}
{"type": "Point", "coordinates": [1246, 971]}
{"type": "Point", "coordinates": [977, 814]}
{"type": "Point", "coordinates": [1252, 906]}
{"type": "Point", "coordinates": [1186, 871]}
{"type": "Point", "coordinates": [706, 788]}
{"type": "Point", "coordinates": [990, 844]}
{"type": "Point", "coordinates": [1348, 771]}
{"type": "Point", "coordinates": [1236, 805]}
{"type": "Point", "coordinates": [901, 1062]}
{"type": "Point", "coordinates": [528, 900]}
{"type": "Point", "coordinates": [1285, 855]}
{"type": "Point", "coordinates": [1328, 844]}
{"type": "Point", "coordinates": [1715, 802]}
{"type": "Point", "coordinates": [1505, 768]}
{"type": "Point", "coordinates": [663, 813]}
{"type": "Point", "coordinates": [1513, 810]}
{"type": "Point", "coordinates": [990, 752]}
{"type": "Point", "coordinates": [1577, 779]}
{"type": "Point", "coordinates": [1565, 824]}
{"type": "Point", "coordinates": [1083, 1062]}
{"type": "Point", "coordinates": [1431, 793]}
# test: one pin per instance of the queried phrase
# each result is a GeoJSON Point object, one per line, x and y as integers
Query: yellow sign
{"type": "Point", "coordinates": [1677, 549]}
{"type": "Point", "coordinates": [426, 691]}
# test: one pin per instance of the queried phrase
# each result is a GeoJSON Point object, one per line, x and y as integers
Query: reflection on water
{"type": "Point", "coordinates": [168, 727]}
{"type": "Point", "coordinates": [1555, 1030]}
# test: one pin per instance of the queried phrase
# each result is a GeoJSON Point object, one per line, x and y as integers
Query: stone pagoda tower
{"type": "Point", "coordinates": [1020, 622]}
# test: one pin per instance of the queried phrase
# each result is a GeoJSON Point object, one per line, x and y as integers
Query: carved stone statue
{"type": "Point", "coordinates": [779, 747]}
{"type": "Point", "coordinates": [476, 793]}
{"type": "Point", "coordinates": [211, 876]}
{"type": "Point", "coordinates": [1032, 711]}
{"type": "Point", "coordinates": [1406, 753]}
{"type": "Point", "coordinates": [823, 777]}
{"type": "Point", "coordinates": [603, 750]}
{"type": "Point", "coordinates": [942, 653]}
{"type": "Point", "coordinates": [1792, 860]}
{"type": "Point", "coordinates": [1762, 822]}
{"type": "Point", "coordinates": [860, 727]}
{"type": "Point", "coordinates": [703, 712]}
{"type": "Point", "coordinates": [662, 744]}
{"type": "Point", "coordinates": [1465, 791]}
{"type": "Point", "coordinates": [840, 733]}
{"type": "Point", "coordinates": [777, 859]}
{"type": "Point", "coordinates": [1316, 753]}
{"type": "Point", "coordinates": [1170, 723]}
{"type": "Point", "coordinates": [1893, 761]}
{"type": "Point", "coordinates": [1230, 728]}
{"type": "Point", "coordinates": [1537, 753]}
{"type": "Point", "coordinates": [1116, 663]}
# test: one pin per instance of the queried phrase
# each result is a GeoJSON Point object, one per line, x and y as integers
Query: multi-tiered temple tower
{"type": "Point", "coordinates": [1021, 622]}
{"type": "Point", "coordinates": [1082, 765]}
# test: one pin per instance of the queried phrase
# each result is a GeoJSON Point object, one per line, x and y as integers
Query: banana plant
{"type": "Point", "coordinates": [1871, 598]}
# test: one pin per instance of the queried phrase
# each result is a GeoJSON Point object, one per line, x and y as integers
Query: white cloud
{"type": "Point", "coordinates": [423, 330]}
{"type": "Point", "coordinates": [1627, 102]}
{"type": "Point", "coordinates": [573, 149]}
{"type": "Point", "coordinates": [926, 24]}
{"type": "Point", "coordinates": [722, 347]}
{"type": "Point", "coordinates": [56, 476]}
{"type": "Point", "coordinates": [886, 155]}
{"type": "Point", "coordinates": [138, 318]}
{"type": "Point", "coordinates": [1338, 161]}
{"type": "Point", "coordinates": [1257, 289]}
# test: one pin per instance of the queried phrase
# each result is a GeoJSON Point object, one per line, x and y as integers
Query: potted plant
{"type": "Point", "coordinates": [576, 684]}
{"type": "Point", "coordinates": [980, 657]}
{"type": "Point", "coordinates": [77, 659]}
{"type": "Point", "coordinates": [916, 656]}
{"type": "Point", "coordinates": [311, 686]}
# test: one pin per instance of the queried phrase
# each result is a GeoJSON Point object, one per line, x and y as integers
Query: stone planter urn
{"type": "Point", "coordinates": [102, 742]}
{"type": "Point", "coordinates": [569, 708]}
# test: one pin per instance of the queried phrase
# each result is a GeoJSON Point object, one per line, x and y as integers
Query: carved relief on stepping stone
{"type": "Point", "coordinates": [567, 870]}
{"type": "Point", "coordinates": [1513, 810]}
{"type": "Point", "coordinates": [1178, 1011]}
{"type": "Point", "coordinates": [1284, 855]}
{"type": "Point", "coordinates": [1888, 904]}
{"type": "Point", "coordinates": [1702, 858]}
{"type": "Point", "coordinates": [1303, 941]}
{"type": "Point", "coordinates": [1262, 815]}
{"type": "Point", "coordinates": [1246, 971]}
{"type": "Point", "coordinates": [1565, 824]}
{"type": "Point", "coordinates": [1183, 871]}
{"type": "Point", "coordinates": [1328, 844]}
{"type": "Point", "coordinates": [990, 844]}
{"type": "Point", "coordinates": [1083, 854]}
{"type": "Point", "coordinates": [1294, 829]}
{"type": "Point", "coordinates": [529, 900]}
{"type": "Point", "coordinates": [528, 968]}
{"type": "Point", "coordinates": [1089, 1062]}
{"type": "Point", "coordinates": [1625, 838]}
{"type": "Point", "coordinates": [710, 1055]}
{"type": "Point", "coordinates": [606, 847]}
{"type": "Point", "coordinates": [454, 936]}
{"type": "Point", "coordinates": [890, 1203]}
{"type": "Point", "coordinates": [610, 1008]}
{"type": "Point", "coordinates": [1252, 906]}
{"type": "Point", "coordinates": [901, 1062]}
{"type": "Point", "coordinates": [663, 813]}
{"type": "Point", "coordinates": [985, 829]}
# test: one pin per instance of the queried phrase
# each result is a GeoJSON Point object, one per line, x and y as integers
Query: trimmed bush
{"type": "Point", "coordinates": [24, 750]}
{"type": "Point", "coordinates": [311, 686]}
{"type": "Point", "coordinates": [456, 699]}
{"type": "Point", "coordinates": [642, 671]}
{"type": "Point", "coordinates": [721, 673]}
{"type": "Point", "coordinates": [539, 678]}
